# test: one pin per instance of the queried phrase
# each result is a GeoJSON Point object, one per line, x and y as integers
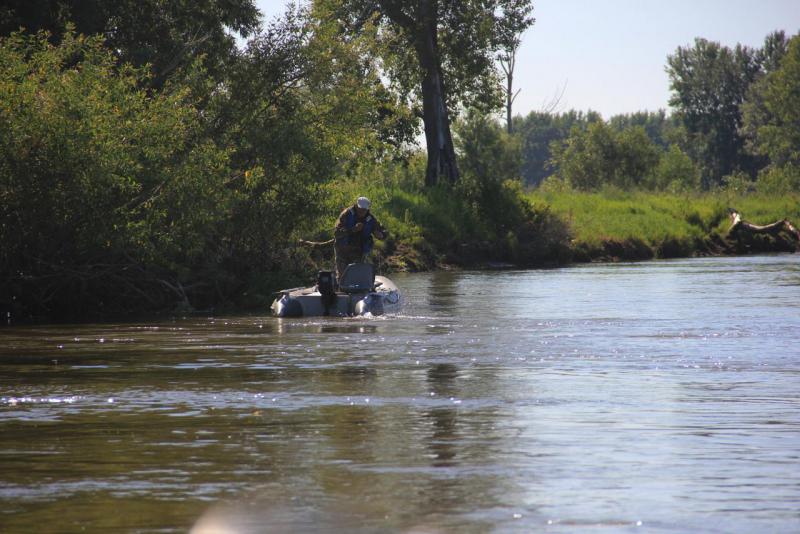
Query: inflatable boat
{"type": "Point", "coordinates": [359, 292]}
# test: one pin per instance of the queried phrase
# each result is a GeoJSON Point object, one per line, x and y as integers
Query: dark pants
{"type": "Point", "coordinates": [345, 255]}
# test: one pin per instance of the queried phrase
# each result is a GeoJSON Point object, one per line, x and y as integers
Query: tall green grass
{"type": "Point", "coordinates": [654, 218]}
{"type": "Point", "coordinates": [428, 225]}
{"type": "Point", "coordinates": [423, 223]}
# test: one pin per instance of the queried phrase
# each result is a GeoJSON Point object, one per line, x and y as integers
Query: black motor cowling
{"type": "Point", "coordinates": [326, 285]}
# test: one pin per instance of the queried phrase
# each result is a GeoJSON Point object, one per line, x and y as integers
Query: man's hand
{"type": "Point", "coordinates": [358, 227]}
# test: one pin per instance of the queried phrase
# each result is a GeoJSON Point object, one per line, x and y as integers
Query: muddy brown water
{"type": "Point", "coordinates": [642, 397]}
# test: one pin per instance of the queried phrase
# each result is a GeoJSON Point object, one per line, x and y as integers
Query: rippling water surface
{"type": "Point", "coordinates": [646, 397]}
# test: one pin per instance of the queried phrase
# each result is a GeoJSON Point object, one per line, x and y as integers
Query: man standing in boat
{"type": "Point", "coordinates": [354, 233]}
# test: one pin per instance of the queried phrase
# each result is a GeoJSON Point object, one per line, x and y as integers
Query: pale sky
{"type": "Point", "coordinates": [609, 55]}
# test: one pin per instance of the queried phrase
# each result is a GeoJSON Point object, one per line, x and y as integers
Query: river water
{"type": "Point", "coordinates": [635, 397]}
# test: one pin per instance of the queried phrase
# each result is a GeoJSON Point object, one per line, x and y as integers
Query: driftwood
{"type": "Point", "coordinates": [740, 225]}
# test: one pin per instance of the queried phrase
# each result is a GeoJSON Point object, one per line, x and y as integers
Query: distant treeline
{"type": "Point", "coordinates": [735, 122]}
{"type": "Point", "coordinates": [148, 164]}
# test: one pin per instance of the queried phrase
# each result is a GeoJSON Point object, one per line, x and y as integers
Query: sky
{"type": "Point", "coordinates": [609, 55]}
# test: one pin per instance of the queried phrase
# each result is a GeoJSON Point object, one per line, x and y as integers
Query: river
{"type": "Point", "coordinates": [659, 396]}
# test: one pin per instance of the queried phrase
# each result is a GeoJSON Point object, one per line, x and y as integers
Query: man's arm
{"type": "Point", "coordinates": [341, 230]}
{"type": "Point", "coordinates": [379, 231]}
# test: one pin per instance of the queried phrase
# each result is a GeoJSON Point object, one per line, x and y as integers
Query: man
{"type": "Point", "coordinates": [353, 234]}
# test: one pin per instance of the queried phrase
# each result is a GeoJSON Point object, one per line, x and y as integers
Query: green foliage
{"type": "Point", "coordinates": [779, 180]}
{"type": "Point", "coordinates": [674, 173]}
{"type": "Point", "coordinates": [734, 111]}
{"type": "Point", "coordinates": [167, 36]}
{"type": "Point", "coordinates": [585, 159]}
{"type": "Point", "coordinates": [490, 161]}
{"type": "Point", "coordinates": [737, 183]}
{"type": "Point", "coordinates": [601, 156]}
{"type": "Point", "coordinates": [772, 113]}
{"type": "Point", "coordinates": [125, 191]}
{"type": "Point", "coordinates": [109, 189]}
{"type": "Point", "coordinates": [289, 139]}
{"type": "Point", "coordinates": [668, 224]}
{"type": "Point", "coordinates": [439, 56]}
{"type": "Point", "coordinates": [710, 83]}
{"type": "Point", "coordinates": [537, 131]}
{"type": "Point", "coordinates": [97, 176]}
{"type": "Point", "coordinates": [662, 129]}
{"type": "Point", "coordinates": [761, 208]}
{"type": "Point", "coordinates": [468, 36]}
{"type": "Point", "coordinates": [432, 225]}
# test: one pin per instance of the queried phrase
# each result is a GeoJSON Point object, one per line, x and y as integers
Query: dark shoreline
{"type": "Point", "coordinates": [609, 251]}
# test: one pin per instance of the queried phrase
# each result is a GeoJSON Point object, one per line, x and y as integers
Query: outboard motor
{"type": "Point", "coordinates": [327, 290]}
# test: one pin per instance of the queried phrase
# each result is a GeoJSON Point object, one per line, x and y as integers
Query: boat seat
{"type": "Point", "coordinates": [357, 278]}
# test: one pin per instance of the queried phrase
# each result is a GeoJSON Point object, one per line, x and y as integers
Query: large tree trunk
{"type": "Point", "coordinates": [441, 154]}
{"type": "Point", "coordinates": [422, 29]}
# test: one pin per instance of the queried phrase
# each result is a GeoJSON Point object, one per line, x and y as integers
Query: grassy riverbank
{"type": "Point", "coordinates": [638, 225]}
{"type": "Point", "coordinates": [441, 227]}
{"type": "Point", "coordinates": [435, 228]}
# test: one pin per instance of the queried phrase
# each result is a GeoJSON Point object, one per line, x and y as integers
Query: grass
{"type": "Point", "coordinates": [434, 226]}
{"type": "Point", "coordinates": [424, 223]}
{"type": "Point", "coordinates": [659, 218]}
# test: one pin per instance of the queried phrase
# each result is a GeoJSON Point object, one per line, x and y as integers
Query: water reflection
{"type": "Point", "coordinates": [443, 442]}
{"type": "Point", "coordinates": [348, 325]}
{"type": "Point", "coordinates": [442, 290]}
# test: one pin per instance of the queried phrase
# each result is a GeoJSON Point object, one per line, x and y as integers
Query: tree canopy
{"type": "Point", "coordinates": [166, 34]}
{"type": "Point", "coordinates": [710, 83]}
{"type": "Point", "coordinates": [772, 115]}
{"type": "Point", "coordinates": [439, 55]}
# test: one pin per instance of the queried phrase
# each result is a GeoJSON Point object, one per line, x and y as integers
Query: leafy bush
{"type": "Point", "coordinates": [106, 188]}
{"type": "Point", "coordinates": [674, 173]}
{"type": "Point", "coordinates": [490, 165]}
{"type": "Point", "coordinates": [598, 156]}
{"type": "Point", "coordinates": [737, 183]}
{"type": "Point", "coordinates": [779, 180]}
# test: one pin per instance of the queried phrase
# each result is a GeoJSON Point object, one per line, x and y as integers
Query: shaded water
{"type": "Point", "coordinates": [647, 397]}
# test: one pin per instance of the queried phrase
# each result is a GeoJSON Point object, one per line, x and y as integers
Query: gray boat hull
{"type": "Point", "coordinates": [309, 302]}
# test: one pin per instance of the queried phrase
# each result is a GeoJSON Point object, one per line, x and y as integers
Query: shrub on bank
{"type": "Point", "coordinates": [437, 226]}
{"type": "Point", "coordinates": [108, 196]}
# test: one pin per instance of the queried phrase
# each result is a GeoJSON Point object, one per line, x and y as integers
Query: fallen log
{"type": "Point", "coordinates": [740, 225]}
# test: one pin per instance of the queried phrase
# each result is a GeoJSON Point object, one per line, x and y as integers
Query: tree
{"type": "Point", "coordinates": [598, 156]}
{"type": "Point", "coordinates": [537, 131]}
{"type": "Point", "coordinates": [660, 128]}
{"type": "Point", "coordinates": [675, 172]}
{"type": "Point", "coordinates": [163, 33]}
{"type": "Point", "coordinates": [772, 112]}
{"type": "Point", "coordinates": [299, 108]}
{"type": "Point", "coordinates": [518, 20]}
{"type": "Point", "coordinates": [489, 157]}
{"type": "Point", "coordinates": [770, 55]}
{"type": "Point", "coordinates": [637, 156]}
{"type": "Point", "coordinates": [710, 82]}
{"type": "Point", "coordinates": [439, 53]}
{"type": "Point", "coordinates": [117, 194]}
{"type": "Point", "coordinates": [110, 194]}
